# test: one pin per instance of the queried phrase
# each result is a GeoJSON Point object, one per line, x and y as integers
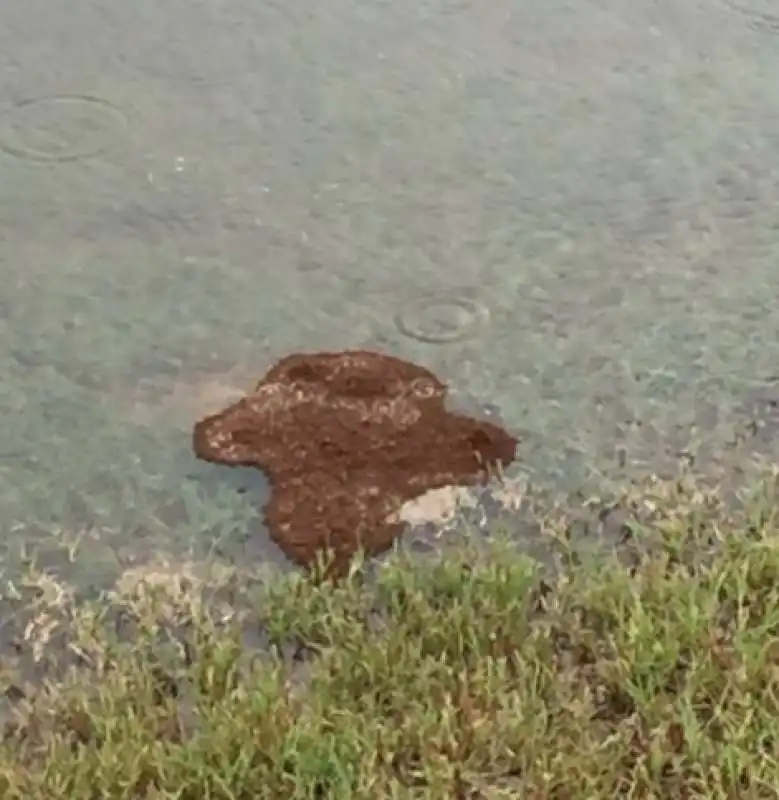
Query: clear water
{"type": "Point", "coordinates": [567, 209]}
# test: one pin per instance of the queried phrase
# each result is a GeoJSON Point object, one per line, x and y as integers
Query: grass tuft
{"type": "Point", "coordinates": [477, 675]}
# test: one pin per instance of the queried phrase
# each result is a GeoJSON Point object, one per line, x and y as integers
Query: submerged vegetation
{"type": "Point", "coordinates": [648, 673]}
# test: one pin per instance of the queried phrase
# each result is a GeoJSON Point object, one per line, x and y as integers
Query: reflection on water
{"type": "Point", "coordinates": [184, 400]}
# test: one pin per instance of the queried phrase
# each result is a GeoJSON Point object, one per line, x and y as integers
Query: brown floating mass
{"type": "Point", "coordinates": [345, 439]}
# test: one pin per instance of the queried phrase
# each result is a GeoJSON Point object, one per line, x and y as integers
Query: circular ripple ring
{"type": "Point", "coordinates": [61, 128]}
{"type": "Point", "coordinates": [469, 316]}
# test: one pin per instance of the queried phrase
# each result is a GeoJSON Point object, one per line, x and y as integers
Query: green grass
{"type": "Point", "coordinates": [655, 675]}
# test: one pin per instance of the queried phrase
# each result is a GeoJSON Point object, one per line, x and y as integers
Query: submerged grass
{"type": "Point", "coordinates": [474, 676]}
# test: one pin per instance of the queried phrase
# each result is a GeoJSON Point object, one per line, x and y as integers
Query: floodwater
{"type": "Point", "coordinates": [567, 209]}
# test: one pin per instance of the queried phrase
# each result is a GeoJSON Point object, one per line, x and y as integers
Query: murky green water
{"type": "Point", "coordinates": [567, 209]}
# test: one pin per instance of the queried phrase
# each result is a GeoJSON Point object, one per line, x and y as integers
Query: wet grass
{"type": "Point", "coordinates": [650, 675]}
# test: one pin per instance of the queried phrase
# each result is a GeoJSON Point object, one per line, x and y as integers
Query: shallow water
{"type": "Point", "coordinates": [566, 209]}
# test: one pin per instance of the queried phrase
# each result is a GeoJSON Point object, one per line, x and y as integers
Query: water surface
{"type": "Point", "coordinates": [567, 209]}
